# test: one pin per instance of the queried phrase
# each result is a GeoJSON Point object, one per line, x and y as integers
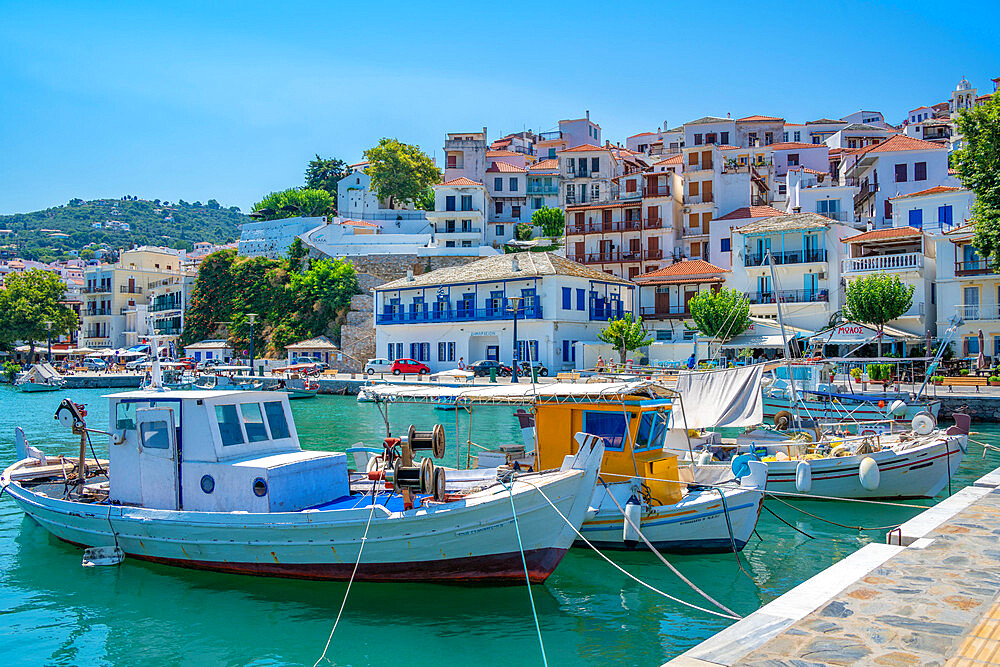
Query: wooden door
{"type": "Point", "coordinates": [579, 251]}
{"type": "Point", "coordinates": [662, 302]}
{"type": "Point", "coordinates": [706, 191]}
{"type": "Point", "coordinates": [653, 244]}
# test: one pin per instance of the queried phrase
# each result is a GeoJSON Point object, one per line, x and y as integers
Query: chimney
{"type": "Point", "coordinates": [729, 115]}
{"type": "Point", "coordinates": [409, 274]}
{"type": "Point", "coordinates": [514, 265]}
{"type": "Point", "coordinates": [484, 133]}
{"type": "Point", "coordinates": [665, 126]}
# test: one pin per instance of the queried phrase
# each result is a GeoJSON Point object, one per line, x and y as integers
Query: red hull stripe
{"type": "Point", "coordinates": [493, 569]}
{"type": "Point", "coordinates": [774, 478]}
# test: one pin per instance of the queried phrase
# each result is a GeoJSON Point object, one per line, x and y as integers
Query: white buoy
{"type": "Point", "coordinates": [868, 473]}
{"type": "Point", "coordinates": [633, 515]}
{"type": "Point", "coordinates": [923, 423]}
{"type": "Point", "coordinates": [897, 409]}
{"type": "Point", "coordinates": [803, 477]}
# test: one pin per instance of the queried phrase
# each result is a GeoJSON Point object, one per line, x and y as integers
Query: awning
{"type": "Point", "coordinates": [854, 333]}
{"type": "Point", "coordinates": [769, 341]}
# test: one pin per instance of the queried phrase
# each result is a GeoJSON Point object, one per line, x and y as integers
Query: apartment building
{"type": "Point", "coordinates": [898, 166]}
{"type": "Point", "coordinates": [805, 248]}
{"type": "Point", "coordinates": [465, 155]}
{"type": "Point", "coordinates": [903, 251]}
{"type": "Point", "coordinates": [543, 186]}
{"type": "Point", "coordinates": [812, 191]}
{"type": "Point", "coordinates": [586, 174]}
{"type": "Point", "coordinates": [935, 210]}
{"type": "Point", "coordinates": [507, 188]}
{"type": "Point", "coordinates": [570, 134]}
{"type": "Point", "coordinates": [821, 129]}
{"type": "Point", "coordinates": [117, 295]}
{"type": "Point", "coordinates": [467, 312]}
{"type": "Point", "coordinates": [662, 142]}
{"type": "Point", "coordinates": [968, 288]}
{"type": "Point", "coordinates": [460, 213]}
{"type": "Point", "coordinates": [857, 135]}
{"type": "Point", "coordinates": [168, 300]}
{"type": "Point", "coordinates": [721, 231]}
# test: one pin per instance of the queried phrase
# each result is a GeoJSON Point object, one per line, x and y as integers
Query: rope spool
{"type": "Point", "coordinates": [432, 440]}
{"type": "Point", "coordinates": [439, 485]}
{"type": "Point", "coordinates": [405, 477]}
{"type": "Point", "coordinates": [426, 476]}
{"type": "Point", "coordinates": [782, 419]}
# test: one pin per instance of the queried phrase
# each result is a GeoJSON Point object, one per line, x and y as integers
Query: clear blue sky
{"type": "Point", "coordinates": [230, 100]}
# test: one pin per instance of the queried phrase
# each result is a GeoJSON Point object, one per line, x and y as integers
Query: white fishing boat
{"type": "Point", "coordinates": [216, 480]}
{"type": "Point", "coordinates": [639, 480]}
{"type": "Point", "coordinates": [40, 377]}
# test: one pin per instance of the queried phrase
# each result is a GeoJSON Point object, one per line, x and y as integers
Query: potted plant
{"type": "Point", "coordinates": [963, 372]}
{"type": "Point", "coordinates": [856, 375]}
{"type": "Point", "coordinates": [937, 379]}
{"type": "Point", "coordinates": [994, 380]}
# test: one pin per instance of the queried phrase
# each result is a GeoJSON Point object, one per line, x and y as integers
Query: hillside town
{"type": "Point", "coordinates": [786, 213]}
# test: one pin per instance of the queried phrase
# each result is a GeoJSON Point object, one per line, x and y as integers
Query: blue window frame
{"type": "Point", "coordinates": [569, 351]}
{"type": "Point", "coordinates": [449, 203]}
{"type": "Point", "coordinates": [513, 184]}
{"type": "Point", "coordinates": [652, 430]}
{"type": "Point", "coordinates": [607, 425]}
{"type": "Point", "coordinates": [917, 218]}
{"type": "Point", "coordinates": [944, 215]}
{"type": "Point", "coordinates": [581, 299]}
{"type": "Point", "coordinates": [724, 245]}
{"type": "Point", "coordinates": [498, 184]}
{"type": "Point", "coordinates": [567, 298]}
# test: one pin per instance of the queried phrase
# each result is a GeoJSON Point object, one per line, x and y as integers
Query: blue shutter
{"type": "Point", "coordinates": [567, 298]}
{"type": "Point", "coordinates": [581, 299]}
{"type": "Point", "coordinates": [944, 215]}
{"type": "Point", "coordinates": [917, 218]}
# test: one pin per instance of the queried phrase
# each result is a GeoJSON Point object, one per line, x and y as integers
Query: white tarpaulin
{"type": "Point", "coordinates": [730, 397]}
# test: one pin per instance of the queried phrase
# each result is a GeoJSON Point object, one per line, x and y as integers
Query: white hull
{"type": "Point", "coordinates": [829, 411]}
{"type": "Point", "coordinates": [30, 387]}
{"type": "Point", "coordinates": [472, 539]}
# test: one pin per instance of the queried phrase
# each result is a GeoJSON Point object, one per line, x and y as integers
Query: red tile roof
{"type": "Point", "coordinates": [503, 154]}
{"type": "Point", "coordinates": [505, 168]}
{"type": "Point", "coordinates": [936, 190]}
{"type": "Point", "coordinates": [789, 145]}
{"type": "Point", "coordinates": [642, 134]}
{"type": "Point", "coordinates": [359, 223]}
{"type": "Point", "coordinates": [673, 159]}
{"type": "Point", "coordinates": [752, 212]}
{"type": "Point", "coordinates": [882, 234]}
{"type": "Point", "coordinates": [545, 165]}
{"type": "Point", "coordinates": [753, 118]}
{"type": "Point", "coordinates": [462, 181]}
{"type": "Point", "coordinates": [688, 270]}
{"type": "Point", "coordinates": [584, 147]}
{"type": "Point", "coordinates": [726, 147]}
{"type": "Point", "coordinates": [901, 142]}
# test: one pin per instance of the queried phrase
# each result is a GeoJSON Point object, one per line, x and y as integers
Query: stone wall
{"type": "Point", "coordinates": [357, 334]}
{"type": "Point", "coordinates": [391, 267]}
{"type": "Point", "coordinates": [981, 408]}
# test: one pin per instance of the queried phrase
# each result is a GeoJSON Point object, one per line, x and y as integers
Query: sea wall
{"type": "Point", "coordinates": [982, 409]}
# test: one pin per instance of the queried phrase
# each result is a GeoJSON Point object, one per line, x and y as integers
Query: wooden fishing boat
{"type": "Point", "coordinates": [638, 478]}
{"type": "Point", "coordinates": [216, 480]}
{"type": "Point", "coordinates": [40, 377]}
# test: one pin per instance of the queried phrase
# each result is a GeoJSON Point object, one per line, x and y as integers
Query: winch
{"type": "Point", "coordinates": [408, 478]}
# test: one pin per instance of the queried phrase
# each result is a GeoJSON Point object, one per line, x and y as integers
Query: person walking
{"type": "Point", "coordinates": [461, 363]}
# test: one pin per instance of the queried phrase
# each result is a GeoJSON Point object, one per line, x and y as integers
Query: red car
{"type": "Point", "coordinates": [409, 366]}
{"type": "Point", "coordinates": [189, 362]}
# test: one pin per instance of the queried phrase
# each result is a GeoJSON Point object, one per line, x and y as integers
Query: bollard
{"type": "Point", "coordinates": [493, 374]}
{"type": "Point", "coordinates": [534, 373]}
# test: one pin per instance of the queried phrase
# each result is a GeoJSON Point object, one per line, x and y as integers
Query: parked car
{"type": "Point", "coordinates": [409, 366]}
{"type": "Point", "coordinates": [189, 363]}
{"type": "Point", "coordinates": [378, 365]}
{"type": "Point", "coordinates": [482, 368]}
{"type": "Point", "coordinates": [136, 363]}
{"type": "Point", "coordinates": [208, 363]}
{"type": "Point", "coordinates": [95, 364]}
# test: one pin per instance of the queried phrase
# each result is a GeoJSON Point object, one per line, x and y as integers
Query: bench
{"type": "Point", "coordinates": [568, 376]}
{"type": "Point", "coordinates": [964, 381]}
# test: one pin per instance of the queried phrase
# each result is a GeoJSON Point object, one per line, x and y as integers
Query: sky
{"type": "Point", "coordinates": [229, 101]}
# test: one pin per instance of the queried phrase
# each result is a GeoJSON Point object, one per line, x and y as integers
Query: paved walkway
{"type": "Point", "coordinates": [932, 597]}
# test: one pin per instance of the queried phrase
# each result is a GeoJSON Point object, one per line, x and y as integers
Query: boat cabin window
{"type": "Point", "coordinates": [125, 417]}
{"type": "Point", "coordinates": [608, 425]}
{"type": "Point", "coordinates": [229, 425]}
{"type": "Point", "coordinates": [652, 429]}
{"type": "Point", "coordinates": [253, 422]}
{"type": "Point", "coordinates": [154, 434]}
{"type": "Point", "coordinates": [276, 420]}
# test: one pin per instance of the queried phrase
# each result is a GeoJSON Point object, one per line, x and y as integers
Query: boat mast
{"type": "Point", "coordinates": [784, 338]}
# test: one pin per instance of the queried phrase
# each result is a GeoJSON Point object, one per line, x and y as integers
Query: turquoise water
{"type": "Point", "coordinates": [54, 612]}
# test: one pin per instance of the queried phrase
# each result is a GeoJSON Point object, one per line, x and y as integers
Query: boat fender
{"type": "Point", "coordinates": [756, 478]}
{"type": "Point", "coordinates": [923, 423]}
{"type": "Point", "coordinates": [633, 514]}
{"type": "Point", "coordinates": [868, 473]}
{"type": "Point", "coordinates": [782, 419]}
{"type": "Point", "coordinates": [803, 477]}
{"type": "Point", "coordinates": [897, 409]}
{"type": "Point", "coordinates": [739, 464]}
{"type": "Point", "coordinates": [704, 458]}
{"type": "Point", "coordinates": [374, 464]}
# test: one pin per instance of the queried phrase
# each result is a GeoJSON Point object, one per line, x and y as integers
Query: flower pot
{"type": "Point", "coordinates": [994, 383]}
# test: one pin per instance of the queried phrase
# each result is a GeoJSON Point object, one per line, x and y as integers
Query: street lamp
{"type": "Point", "coordinates": [48, 337]}
{"type": "Point", "coordinates": [513, 305]}
{"type": "Point", "coordinates": [251, 317]}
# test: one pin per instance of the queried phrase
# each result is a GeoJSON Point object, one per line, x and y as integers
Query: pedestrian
{"type": "Point", "coordinates": [600, 362]}
{"type": "Point", "coordinates": [461, 363]}
{"type": "Point", "coordinates": [692, 360]}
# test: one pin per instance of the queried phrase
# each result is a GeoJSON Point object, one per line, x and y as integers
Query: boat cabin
{"type": "Point", "coordinates": [216, 451]}
{"type": "Point", "coordinates": [633, 430]}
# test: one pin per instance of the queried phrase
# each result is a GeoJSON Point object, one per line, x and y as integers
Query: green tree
{"type": "Point", "coordinates": [400, 172]}
{"type": "Point", "coordinates": [294, 202]}
{"type": "Point", "coordinates": [625, 335]}
{"type": "Point", "coordinates": [978, 166]}
{"type": "Point", "coordinates": [29, 300]}
{"type": "Point", "coordinates": [323, 174]}
{"type": "Point", "coordinates": [522, 231]}
{"type": "Point", "coordinates": [551, 220]}
{"type": "Point", "coordinates": [722, 315]}
{"type": "Point", "coordinates": [877, 299]}
{"type": "Point", "coordinates": [425, 202]}
{"type": "Point", "coordinates": [297, 252]}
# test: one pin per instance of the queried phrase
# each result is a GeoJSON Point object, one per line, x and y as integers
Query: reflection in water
{"type": "Point", "coordinates": [57, 612]}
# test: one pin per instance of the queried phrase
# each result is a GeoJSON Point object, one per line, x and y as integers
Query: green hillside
{"type": "Point", "coordinates": [174, 224]}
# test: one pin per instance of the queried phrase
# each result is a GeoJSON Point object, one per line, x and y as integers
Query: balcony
{"type": "Point", "coordinates": [909, 261]}
{"type": "Point", "coordinates": [97, 289]}
{"type": "Point", "coordinates": [839, 216]}
{"type": "Point", "coordinates": [787, 257]}
{"type": "Point", "coordinates": [975, 267]}
{"type": "Point", "coordinates": [651, 254]}
{"type": "Point", "coordinates": [789, 296]}
{"type": "Point", "coordinates": [735, 168]}
{"type": "Point", "coordinates": [159, 306]}
{"type": "Point", "coordinates": [699, 199]}
{"type": "Point", "coordinates": [658, 191]}
{"type": "Point", "coordinates": [867, 190]}
{"type": "Point", "coordinates": [576, 229]}
{"type": "Point", "coordinates": [95, 312]}
{"type": "Point", "coordinates": [635, 194]}
{"type": "Point", "coordinates": [652, 223]}
{"type": "Point", "coordinates": [978, 311]}
{"type": "Point", "coordinates": [543, 189]}
{"type": "Point", "coordinates": [474, 231]}
{"type": "Point", "coordinates": [691, 168]}
{"type": "Point", "coordinates": [672, 312]}
{"type": "Point", "coordinates": [549, 136]}
{"type": "Point", "coordinates": [607, 311]}
{"type": "Point", "coordinates": [125, 289]}
{"type": "Point", "coordinates": [456, 315]}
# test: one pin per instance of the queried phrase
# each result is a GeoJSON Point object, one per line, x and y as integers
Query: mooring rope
{"type": "Point", "coordinates": [350, 581]}
{"type": "Point", "coordinates": [527, 580]}
{"type": "Point", "coordinates": [819, 518]}
{"type": "Point", "coordinates": [673, 569]}
{"type": "Point", "coordinates": [628, 574]}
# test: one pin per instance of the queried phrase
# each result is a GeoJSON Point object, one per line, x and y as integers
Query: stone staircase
{"type": "Point", "coordinates": [357, 333]}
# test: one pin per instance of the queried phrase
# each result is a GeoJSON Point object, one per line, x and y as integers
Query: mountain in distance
{"type": "Point", "coordinates": [47, 235]}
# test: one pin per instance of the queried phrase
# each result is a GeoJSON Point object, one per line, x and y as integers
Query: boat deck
{"type": "Point", "coordinates": [931, 596]}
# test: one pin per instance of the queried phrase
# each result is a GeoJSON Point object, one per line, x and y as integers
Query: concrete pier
{"type": "Point", "coordinates": [930, 596]}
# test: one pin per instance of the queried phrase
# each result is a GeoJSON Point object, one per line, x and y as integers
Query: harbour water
{"type": "Point", "coordinates": [54, 612]}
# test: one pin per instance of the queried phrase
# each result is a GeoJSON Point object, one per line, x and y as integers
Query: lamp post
{"type": "Point", "coordinates": [48, 338]}
{"type": "Point", "coordinates": [251, 317]}
{"type": "Point", "coordinates": [513, 305]}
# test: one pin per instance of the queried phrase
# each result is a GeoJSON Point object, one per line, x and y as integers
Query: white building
{"type": "Point", "coordinates": [810, 191]}
{"type": "Point", "coordinates": [271, 238]}
{"type": "Point", "coordinates": [465, 155]}
{"type": "Point", "coordinates": [968, 287]}
{"type": "Point", "coordinates": [721, 231]}
{"type": "Point", "coordinates": [805, 248]}
{"type": "Point", "coordinates": [543, 186]}
{"type": "Point", "coordinates": [936, 209]}
{"type": "Point", "coordinates": [459, 215]}
{"type": "Point", "coordinates": [507, 186]}
{"type": "Point", "coordinates": [586, 172]}
{"type": "Point", "coordinates": [464, 312]}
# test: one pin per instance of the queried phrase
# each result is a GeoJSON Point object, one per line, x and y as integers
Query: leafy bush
{"type": "Point", "coordinates": [937, 379]}
{"type": "Point", "coordinates": [856, 373]}
{"type": "Point", "coordinates": [993, 379]}
{"type": "Point", "coordinates": [963, 372]}
{"type": "Point", "coordinates": [522, 231]}
{"type": "Point", "coordinates": [880, 372]}
{"type": "Point", "coordinates": [551, 220]}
